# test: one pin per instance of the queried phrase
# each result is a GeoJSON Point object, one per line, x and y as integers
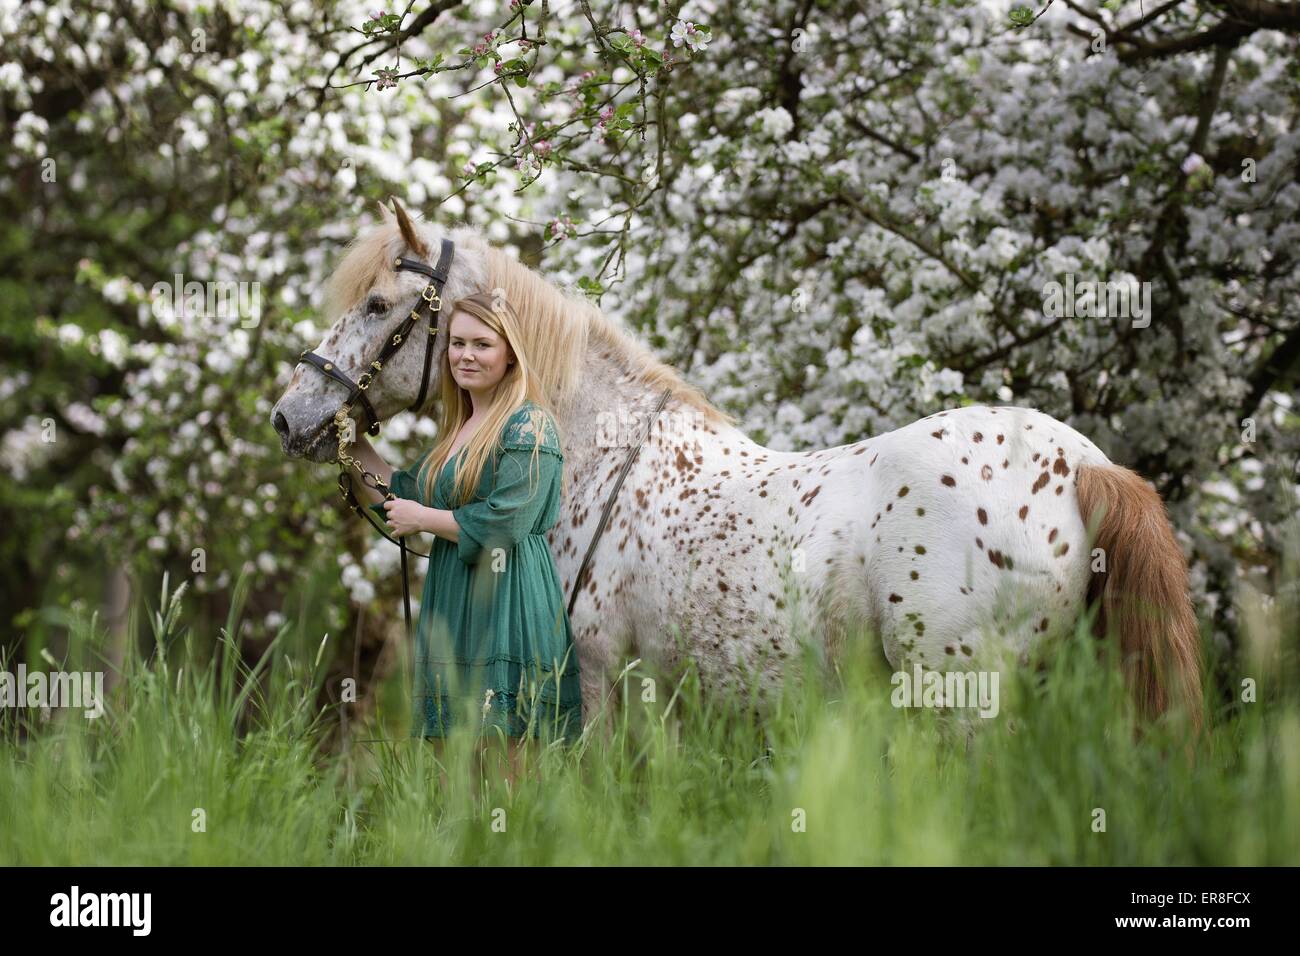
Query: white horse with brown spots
{"type": "Point", "coordinates": [952, 538]}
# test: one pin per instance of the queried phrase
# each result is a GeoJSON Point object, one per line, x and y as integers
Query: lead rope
{"type": "Point", "coordinates": [372, 480]}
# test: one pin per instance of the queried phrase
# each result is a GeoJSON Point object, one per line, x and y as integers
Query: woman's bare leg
{"type": "Point", "coordinates": [487, 762]}
{"type": "Point", "coordinates": [502, 761]}
{"type": "Point", "coordinates": [518, 760]}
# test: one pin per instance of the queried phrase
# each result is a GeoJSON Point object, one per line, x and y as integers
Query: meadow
{"type": "Point", "coordinates": [201, 760]}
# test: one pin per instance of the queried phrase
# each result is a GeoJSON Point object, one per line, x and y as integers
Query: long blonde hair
{"type": "Point", "coordinates": [519, 384]}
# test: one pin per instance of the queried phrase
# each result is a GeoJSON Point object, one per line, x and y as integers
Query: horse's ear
{"type": "Point", "coordinates": [412, 237]}
{"type": "Point", "coordinates": [384, 211]}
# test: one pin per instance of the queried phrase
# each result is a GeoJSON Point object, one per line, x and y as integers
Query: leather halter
{"type": "Point", "coordinates": [430, 302]}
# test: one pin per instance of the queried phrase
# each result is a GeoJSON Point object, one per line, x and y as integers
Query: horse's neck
{"type": "Point", "coordinates": [600, 419]}
{"type": "Point", "coordinates": [611, 410]}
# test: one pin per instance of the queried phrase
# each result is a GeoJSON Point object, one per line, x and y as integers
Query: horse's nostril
{"type": "Point", "coordinates": [281, 424]}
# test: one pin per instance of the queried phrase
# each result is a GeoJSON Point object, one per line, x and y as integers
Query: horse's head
{"type": "Point", "coordinates": [370, 299]}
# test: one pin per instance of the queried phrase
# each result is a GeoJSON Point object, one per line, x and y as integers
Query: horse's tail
{"type": "Point", "coordinates": [1142, 590]}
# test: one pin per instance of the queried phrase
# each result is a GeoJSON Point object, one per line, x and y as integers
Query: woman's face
{"type": "Point", "coordinates": [478, 356]}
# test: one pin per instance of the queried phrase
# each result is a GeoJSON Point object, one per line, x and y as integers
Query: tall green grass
{"type": "Point", "coordinates": [833, 774]}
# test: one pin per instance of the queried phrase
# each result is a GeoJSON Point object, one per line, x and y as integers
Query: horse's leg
{"type": "Point", "coordinates": [597, 659]}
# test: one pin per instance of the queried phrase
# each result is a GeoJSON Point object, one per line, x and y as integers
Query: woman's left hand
{"type": "Point", "coordinates": [405, 516]}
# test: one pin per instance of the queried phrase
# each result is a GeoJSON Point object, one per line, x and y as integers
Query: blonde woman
{"type": "Point", "coordinates": [493, 639]}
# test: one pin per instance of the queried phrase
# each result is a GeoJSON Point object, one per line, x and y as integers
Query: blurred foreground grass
{"type": "Point", "coordinates": [835, 775]}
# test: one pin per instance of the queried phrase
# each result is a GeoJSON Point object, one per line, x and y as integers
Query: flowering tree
{"type": "Point", "coordinates": [836, 217]}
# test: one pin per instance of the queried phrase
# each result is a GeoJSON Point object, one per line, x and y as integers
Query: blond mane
{"type": "Point", "coordinates": [573, 324]}
{"type": "Point", "coordinates": [560, 326]}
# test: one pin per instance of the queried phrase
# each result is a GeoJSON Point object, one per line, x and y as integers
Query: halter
{"type": "Point", "coordinates": [430, 307]}
{"type": "Point", "coordinates": [430, 302]}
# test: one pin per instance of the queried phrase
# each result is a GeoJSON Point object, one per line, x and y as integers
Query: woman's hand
{"type": "Point", "coordinates": [405, 516]}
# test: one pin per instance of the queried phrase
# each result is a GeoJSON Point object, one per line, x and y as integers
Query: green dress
{"type": "Point", "coordinates": [492, 618]}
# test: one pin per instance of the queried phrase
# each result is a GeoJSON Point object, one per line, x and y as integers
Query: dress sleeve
{"type": "Point", "coordinates": [404, 485]}
{"type": "Point", "coordinates": [512, 508]}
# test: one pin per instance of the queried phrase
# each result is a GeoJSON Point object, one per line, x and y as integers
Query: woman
{"type": "Point", "coordinates": [493, 640]}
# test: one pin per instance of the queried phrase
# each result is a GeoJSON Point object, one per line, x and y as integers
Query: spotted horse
{"type": "Point", "coordinates": [950, 537]}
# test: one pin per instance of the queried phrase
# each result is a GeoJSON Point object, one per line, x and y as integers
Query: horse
{"type": "Point", "coordinates": [973, 532]}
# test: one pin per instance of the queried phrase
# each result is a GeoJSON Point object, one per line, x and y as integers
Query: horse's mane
{"type": "Point", "coordinates": [560, 326]}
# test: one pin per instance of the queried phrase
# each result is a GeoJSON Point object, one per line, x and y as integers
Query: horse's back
{"type": "Point", "coordinates": [975, 531]}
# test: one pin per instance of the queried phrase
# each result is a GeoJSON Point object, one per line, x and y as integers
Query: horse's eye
{"type": "Point", "coordinates": [376, 306]}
